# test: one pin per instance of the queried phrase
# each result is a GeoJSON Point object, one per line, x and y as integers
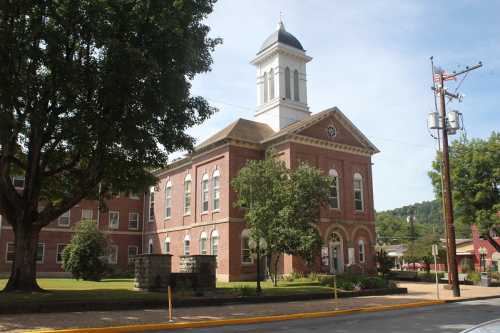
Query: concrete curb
{"type": "Point", "coordinates": [241, 321]}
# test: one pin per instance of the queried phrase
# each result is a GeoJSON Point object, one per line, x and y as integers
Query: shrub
{"type": "Point", "coordinates": [384, 262]}
{"type": "Point", "coordinates": [352, 282]}
{"type": "Point", "coordinates": [474, 277]}
{"type": "Point", "coordinates": [83, 257]}
{"type": "Point", "coordinates": [245, 291]}
{"type": "Point", "coordinates": [313, 276]}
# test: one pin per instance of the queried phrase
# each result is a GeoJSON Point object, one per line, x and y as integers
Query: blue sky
{"type": "Point", "coordinates": [370, 59]}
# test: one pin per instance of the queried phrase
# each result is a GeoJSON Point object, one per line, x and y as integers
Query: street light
{"type": "Point", "coordinates": [482, 256]}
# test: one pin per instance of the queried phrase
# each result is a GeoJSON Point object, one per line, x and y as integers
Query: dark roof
{"type": "Point", "coordinates": [281, 36]}
{"type": "Point", "coordinates": [242, 130]}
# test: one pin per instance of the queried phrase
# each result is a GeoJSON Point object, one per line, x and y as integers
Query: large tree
{"type": "Point", "coordinates": [282, 207]}
{"type": "Point", "coordinates": [475, 177]}
{"type": "Point", "coordinates": [91, 92]}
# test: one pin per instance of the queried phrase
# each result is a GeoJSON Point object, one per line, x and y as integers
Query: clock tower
{"type": "Point", "coordinates": [281, 80]}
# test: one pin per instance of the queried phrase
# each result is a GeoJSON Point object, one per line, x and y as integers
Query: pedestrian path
{"type": "Point", "coordinates": [417, 292]}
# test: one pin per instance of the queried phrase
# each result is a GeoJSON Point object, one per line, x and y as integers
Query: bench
{"type": "Point", "coordinates": [462, 278]}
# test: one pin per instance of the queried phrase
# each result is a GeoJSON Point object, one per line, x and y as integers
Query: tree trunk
{"type": "Point", "coordinates": [276, 263]}
{"type": "Point", "coordinates": [23, 272]}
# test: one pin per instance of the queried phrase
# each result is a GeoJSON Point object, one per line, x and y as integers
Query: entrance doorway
{"type": "Point", "coordinates": [336, 254]}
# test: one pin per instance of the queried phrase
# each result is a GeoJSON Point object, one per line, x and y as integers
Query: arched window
{"type": "Point", "coordinates": [150, 246]}
{"type": "Point", "coordinates": [271, 84]}
{"type": "Point", "coordinates": [358, 192]}
{"type": "Point", "coordinates": [288, 93]}
{"type": "Point", "coordinates": [187, 194]}
{"type": "Point", "coordinates": [168, 199]}
{"type": "Point", "coordinates": [203, 243]}
{"type": "Point", "coordinates": [296, 96]}
{"type": "Point", "coordinates": [333, 197]}
{"type": "Point", "coordinates": [204, 193]}
{"type": "Point", "coordinates": [361, 251]}
{"type": "Point", "coordinates": [246, 255]}
{"type": "Point", "coordinates": [187, 243]}
{"type": "Point", "coordinates": [216, 190]}
{"type": "Point", "coordinates": [166, 245]}
{"type": "Point", "coordinates": [265, 88]}
{"type": "Point", "coordinates": [214, 243]}
{"type": "Point", "coordinates": [151, 204]}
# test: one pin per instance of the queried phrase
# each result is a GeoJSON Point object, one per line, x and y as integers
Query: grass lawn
{"type": "Point", "coordinates": [122, 290]}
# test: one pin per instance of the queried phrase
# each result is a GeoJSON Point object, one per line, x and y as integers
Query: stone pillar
{"type": "Point", "coordinates": [203, 266]}
{"type": "Point", "coordinates": [152, 272]}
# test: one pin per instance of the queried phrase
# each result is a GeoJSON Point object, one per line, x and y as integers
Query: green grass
{"type": "Point", "coordinates": [64, 290]}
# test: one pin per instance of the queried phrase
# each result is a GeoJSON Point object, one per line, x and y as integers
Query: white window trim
{"type": "Point", "coordinates": [151, 194]}
{"type": "Point", "coordinates": [138, 220]}
{"type": "Point", "coordinates": [128, 251]}
{"type": "Point", "coordinates": [359, 177]}
{"type": "Point", "coordinates": [204, 237]}
{"type": "Point", "coordinates": [214, 234]}
{"type": "Point", "coordinates": [245, 234]}
{"type": "Point", "coordinates": [334, 174]}
{"type": "Point", "coordinates": [43, 254]}
{"type": "Point", "coordinates": [6, 251]}
{"type": "Point", "coordinates": [150, 246]}
{"type": "Point", "coordinates": [187, 193]}
{"type": "Point", "coordinates": [109, 220]}
{"type": "Point", "coordinates": [203, 192]}
{"type": "Point", "coordinates": [87, 209]}
{"type": "Point", "coordinates": [57, 248]}
{"type": "Point", "coordinates": [59, 224]}
{"type": "Point", "coordinates": [362, 243]}
{"type": "Point", "coordinates": [116, 257]}
{"type": "Point", "coordinates": [165, 242]}
{"type": "Point", "coordinates": [14, 178]}
{"type": "Point", "coordinates": [216, 175]}
{"type": "Point", "coordinates": [168, 200]}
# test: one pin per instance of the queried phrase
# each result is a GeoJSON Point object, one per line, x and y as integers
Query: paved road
{"type": "Point", "coordinates": [449, 318]}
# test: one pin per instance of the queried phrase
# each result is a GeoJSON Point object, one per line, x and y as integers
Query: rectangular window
{"type": "Point", "coordinates": [166, 248]}
{"type": "Point", "coordinates": [114, 220]}
{"type": "Point", "coordinates": [18, 182]}
{"type": "Point", "coordinates": [215, 246]}
{"type": "Point", "coordinates": [59, 253]}
{"type": "Point", "coordinates": [246, 256]}
{"type": "Point", "coordinates": [63, 220]}
{"type": "Point", "coordinates": [334, 193]}
{"type": "Point", "coordinates": [112, 254]}
{"type": "Point", "coordinates": [187, 197]}
{"type": "Point", "coordinates": [10, 253]}
{"type": "Point", "coordinates": [87, 214]}
{"type": "Point", "coordinates": [204, 195]}
{"type": "Point", "coordinates": [133, 221]}
{"type": "Point", "coordinates": [40, 252]}
{"type": "Point", "coordinates": [168, 201]}
{"type": "Point", "coordinates": [134, 196]}
{"type": "Point", "coordinates": [216, 192]}
{"type": "Point", "coordinates": [151, 205]}
{"type": "Point", "coordinates": [186, 247]}
{"type": "Point", "coordinates": [203, 246]}
{"type": "Point", "coordinates": [132, 252]}
{"type": "Point", "coordinates": [358, 195]}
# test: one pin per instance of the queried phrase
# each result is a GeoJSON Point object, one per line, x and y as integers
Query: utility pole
{"type": "Point", "coordinates": [446, 188]}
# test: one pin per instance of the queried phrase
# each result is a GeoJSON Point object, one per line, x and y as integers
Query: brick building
{"type": "Point", "coordinates": [191, 208]}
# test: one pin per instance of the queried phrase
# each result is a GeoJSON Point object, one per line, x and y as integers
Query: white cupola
{"type": "Point", "coordinates": [281, 80]}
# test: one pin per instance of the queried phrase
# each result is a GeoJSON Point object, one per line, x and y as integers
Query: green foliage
{"type": "Point", "coordinates": [474, 277]}
{"type": "Point", "coordinates": [281, 206]}
{"type": "Point", "coordinates": [421, 251]}
{"type": "Point", "coordinates": [83, 256]}
{"type": "Point", "coordinates": [93, 92]}
{"type": "Point", "coordinates": [467, 265]}
{"type": "Point", "coordinates": [475, 177]}
{"type": "Point", "coordinates": [244, 291]}
{"type": "Point", "coordinates": [354, 282]}
{"type": "Point", "coordinates": [384, 263]}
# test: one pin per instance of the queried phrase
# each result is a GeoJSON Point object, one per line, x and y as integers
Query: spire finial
{"type": "Point", "coordinates": [281, 26]}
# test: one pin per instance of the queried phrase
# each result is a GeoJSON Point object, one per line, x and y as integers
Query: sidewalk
{"type": "Point", "coordinates": [416, 292]}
